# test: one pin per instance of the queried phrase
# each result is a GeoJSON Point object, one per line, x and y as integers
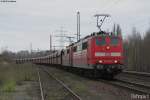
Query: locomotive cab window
{"type": "Point", "coordinates": [114, 40]}
{"type": "Point", "coordinates": [100, 41]}
{"type": "Point", "coordinates": [84, 45]}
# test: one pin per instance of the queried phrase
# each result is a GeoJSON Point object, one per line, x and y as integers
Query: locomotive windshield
{"type": "Point", "coordinates": [114, 40]}
{"type": "Point", "coordinates": [100, 41]}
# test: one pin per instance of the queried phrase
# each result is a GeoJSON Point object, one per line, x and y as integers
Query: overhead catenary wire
{"type": "Point", "coordinates": [111, 4]}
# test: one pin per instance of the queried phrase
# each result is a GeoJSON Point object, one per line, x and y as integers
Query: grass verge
{"type": "Point", "coordinates": [12, 74]}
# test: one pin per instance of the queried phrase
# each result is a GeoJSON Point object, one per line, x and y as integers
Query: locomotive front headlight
{"type": "Point", "coordinates": [108, 47]}
{"type": "Point", "coordinates": [100, 61]}
{"type": "Point", "coordinates": [115, 61]}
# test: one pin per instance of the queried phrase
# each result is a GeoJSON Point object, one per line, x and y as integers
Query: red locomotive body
{"type": "Point", "coordinates": [103, 53]}
{"type": "Point", "coordinates": [107, 50]}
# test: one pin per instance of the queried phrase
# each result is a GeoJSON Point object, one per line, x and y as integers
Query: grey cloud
{"type": "Point", "coordinates": [29, 21]}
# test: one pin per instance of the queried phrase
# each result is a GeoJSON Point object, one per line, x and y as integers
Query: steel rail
{"type": "Point", "coordinates": [63, 84]}
{"type": "Point", "coordinates": [128, 85]}
{"type": "Point", "coordinates": [137, 73]}
{"type": "Point", "coordinates": [41, 88]}
{"type": "Point", "coordinates": [134, 83]}
{"type": "Point", "coordinates": [145, 88]}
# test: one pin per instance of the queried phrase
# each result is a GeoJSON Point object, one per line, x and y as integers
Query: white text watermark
{"type": "Point", "coordinates": [140, 96]}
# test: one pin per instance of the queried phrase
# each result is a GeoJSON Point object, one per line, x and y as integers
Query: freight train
{"type": "Point", "coordinates": [99, 54]}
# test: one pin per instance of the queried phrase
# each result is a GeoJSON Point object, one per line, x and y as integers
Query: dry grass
{"type": "Point", "coordinates": [12, 75]}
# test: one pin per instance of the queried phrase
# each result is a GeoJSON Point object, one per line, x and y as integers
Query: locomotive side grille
{"type": "Point", "coordinates": [114, 54]}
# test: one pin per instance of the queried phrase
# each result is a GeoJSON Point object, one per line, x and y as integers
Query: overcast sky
{"type": "Point", "coordinates": [32, 21]}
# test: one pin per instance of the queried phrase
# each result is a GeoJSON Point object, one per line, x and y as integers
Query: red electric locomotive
{"type": "Point", "coordinates": [100, 54]}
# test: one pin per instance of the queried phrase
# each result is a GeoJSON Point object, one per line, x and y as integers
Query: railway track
{"type": "Point", "coordinates": [69, 94]}
{"type": "Point", "coordinates": [40, 84]}
{"type": "Point", "coordinates": [135, 81]}
{"type": "Point", "coordinates": [136, 87]}
{"type": "Point", "coordinates": [137, 73]}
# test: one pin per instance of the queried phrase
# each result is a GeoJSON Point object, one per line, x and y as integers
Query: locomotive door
{"type": "Point", "coordinates": [88, 53]}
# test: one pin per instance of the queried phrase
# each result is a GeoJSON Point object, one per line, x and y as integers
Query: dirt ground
{"type": "Point", "coordinates": [20, 82]}
{"type": "Point", "coordinates": [90, 89]}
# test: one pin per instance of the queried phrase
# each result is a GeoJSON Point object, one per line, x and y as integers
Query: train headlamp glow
{"type": "Point", "coordinates": [100, 61]}
{"type": "Point", "coordinates": [108, 47]}
{"type": "Point", "coordinates": [115, 61]}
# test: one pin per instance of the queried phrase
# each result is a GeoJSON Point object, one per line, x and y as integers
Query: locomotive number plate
{"type": "Point", "coordinates": [107, 54]}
